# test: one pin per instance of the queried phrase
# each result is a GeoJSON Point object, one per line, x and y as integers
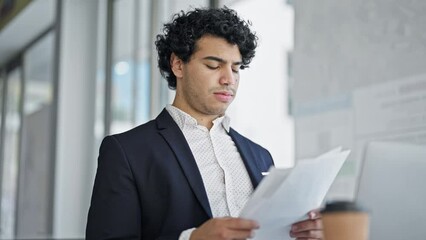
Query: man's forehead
{"type": "Point", "coordinates": [217, 49]}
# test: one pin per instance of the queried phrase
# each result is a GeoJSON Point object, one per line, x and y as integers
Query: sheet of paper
{"type": "Point", "coordinates": [285, 196]}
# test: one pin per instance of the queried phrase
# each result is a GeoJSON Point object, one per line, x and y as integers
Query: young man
{"type": "Point", "coordinates": [187, 174]}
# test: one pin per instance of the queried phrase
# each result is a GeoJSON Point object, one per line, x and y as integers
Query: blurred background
{"type": "Point", "coordinates": [327, 73]}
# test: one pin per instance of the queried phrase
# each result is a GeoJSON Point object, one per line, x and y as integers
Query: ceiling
{"type": "Point", "coordinates": [38, 16]}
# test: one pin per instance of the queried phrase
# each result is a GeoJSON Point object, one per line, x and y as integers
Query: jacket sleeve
{"type": "Point", "coordinates": [115, 211]}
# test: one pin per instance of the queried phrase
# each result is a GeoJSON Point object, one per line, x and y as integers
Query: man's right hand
{"type": "Point", "coordinates": [225, 228]}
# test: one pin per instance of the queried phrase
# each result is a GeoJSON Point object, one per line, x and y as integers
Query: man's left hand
{"type": "Point", "coordinates": [308, 229]}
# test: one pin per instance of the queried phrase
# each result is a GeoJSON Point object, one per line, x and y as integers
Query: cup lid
{"type": "Point", "coordinates": [342, 206]}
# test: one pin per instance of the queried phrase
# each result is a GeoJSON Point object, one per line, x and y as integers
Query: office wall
{"type": "Point", "coordinates": [260, 110]}
{"type": "Point", "coordinates": [359, 75]}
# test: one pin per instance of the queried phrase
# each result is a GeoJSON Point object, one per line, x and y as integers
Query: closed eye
{"type": "Point", "coordinates": [212, 67]}
{"type": "Point", "coordinates": [234, 70]}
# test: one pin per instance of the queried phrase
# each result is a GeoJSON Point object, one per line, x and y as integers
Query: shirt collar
{"type": "Point", "coordinates": [182, 118]}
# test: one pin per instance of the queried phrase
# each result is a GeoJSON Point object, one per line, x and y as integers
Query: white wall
{"type": "Point", "coordinates": [260, 110]}
{"type": "Point", "coordinates": [359, 76]}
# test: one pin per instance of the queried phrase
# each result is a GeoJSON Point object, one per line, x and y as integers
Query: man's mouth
{"type": "Point", "coordinates": [224, 96]}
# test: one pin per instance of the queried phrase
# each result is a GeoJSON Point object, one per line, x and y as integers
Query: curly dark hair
{"type": "Point", "coordinates": [181, 34]}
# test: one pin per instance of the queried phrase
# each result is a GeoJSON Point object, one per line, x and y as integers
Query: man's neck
{"type": "Point", "coordinates": [202, 119]}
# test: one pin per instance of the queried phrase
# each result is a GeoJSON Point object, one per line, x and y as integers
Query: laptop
{"type": "Point", "coordinates": [392, 186]}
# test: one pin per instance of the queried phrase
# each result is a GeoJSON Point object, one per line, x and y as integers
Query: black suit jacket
{"type": "Point", "coordinates": [148, 186]}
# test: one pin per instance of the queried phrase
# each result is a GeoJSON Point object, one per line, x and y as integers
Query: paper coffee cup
{"type": "Point", "coordinates": [345, 220]}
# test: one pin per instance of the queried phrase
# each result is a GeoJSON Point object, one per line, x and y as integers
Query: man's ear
{"type": "Point", "coordinates": [176, 65]}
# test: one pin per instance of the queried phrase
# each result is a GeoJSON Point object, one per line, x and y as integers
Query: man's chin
{"type": "Point", "coordinates": [217, 111]}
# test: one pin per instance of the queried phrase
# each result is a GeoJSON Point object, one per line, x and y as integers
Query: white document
{"type": "Point", "coordinates": [285, 196]}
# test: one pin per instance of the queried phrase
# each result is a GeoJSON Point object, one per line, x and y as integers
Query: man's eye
{"type": "Point", "coordinates": [235, 70]}
{"type": "Point", "coordinates": [212, 67]}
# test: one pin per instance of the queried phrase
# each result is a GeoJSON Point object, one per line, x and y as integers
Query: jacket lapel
{"type": "Point", "coordinates": [248, 157]}
{"type": "Point", "coordinates": [177, 142]}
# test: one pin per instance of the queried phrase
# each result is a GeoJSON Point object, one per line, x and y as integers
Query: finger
{"type": "Point", "coordinates": [241, 224]}
{"type": "Point", "coordinates": [312, 234]}
{"type": "Point", "coordinates": [314, 214]}
{"type": "Point", "coordinates": [315, 224]}
{"type": "Point", "coordinates": [239, 234]}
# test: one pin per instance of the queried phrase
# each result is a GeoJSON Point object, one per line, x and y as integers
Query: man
{"type": "Point", "coordinates": [187, 174]}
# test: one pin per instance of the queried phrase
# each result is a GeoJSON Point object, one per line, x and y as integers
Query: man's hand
{"type": "Point", "coordinates": [308, 229]}
{"type": "Point", "coordinates": [225, 228]}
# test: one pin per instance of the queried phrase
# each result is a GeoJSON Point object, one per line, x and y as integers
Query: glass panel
{"type": "Point", "coordinates": [143, 75]}
{"type": "Point", "coordinates": [122, 102]}
{"type": "Point", "coordinates": [2, 98]}
{"type": "Point", "coordinates": [185, 5]}
{"type": "Point", "coordinates": [100, 74]}
{"type": "Point", "coordinates": [33, 216]}
{"type": "Point", "coordinates": [2, 80]}
{"type": "Point", "coordinates": [11, 154]}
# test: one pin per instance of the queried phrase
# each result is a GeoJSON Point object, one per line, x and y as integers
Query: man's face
{"type": "Point", "coordinates": [208, 83]}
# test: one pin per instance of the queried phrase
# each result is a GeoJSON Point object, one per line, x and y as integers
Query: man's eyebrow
{"type": "Point", "coordinates": [217, 59]}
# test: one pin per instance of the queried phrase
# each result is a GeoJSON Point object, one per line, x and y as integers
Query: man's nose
{"type": "Point", "coordinates": [228, 77]}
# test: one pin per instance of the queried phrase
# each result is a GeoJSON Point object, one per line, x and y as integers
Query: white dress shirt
{"type": "Point", "coordinates": [222, 169]}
